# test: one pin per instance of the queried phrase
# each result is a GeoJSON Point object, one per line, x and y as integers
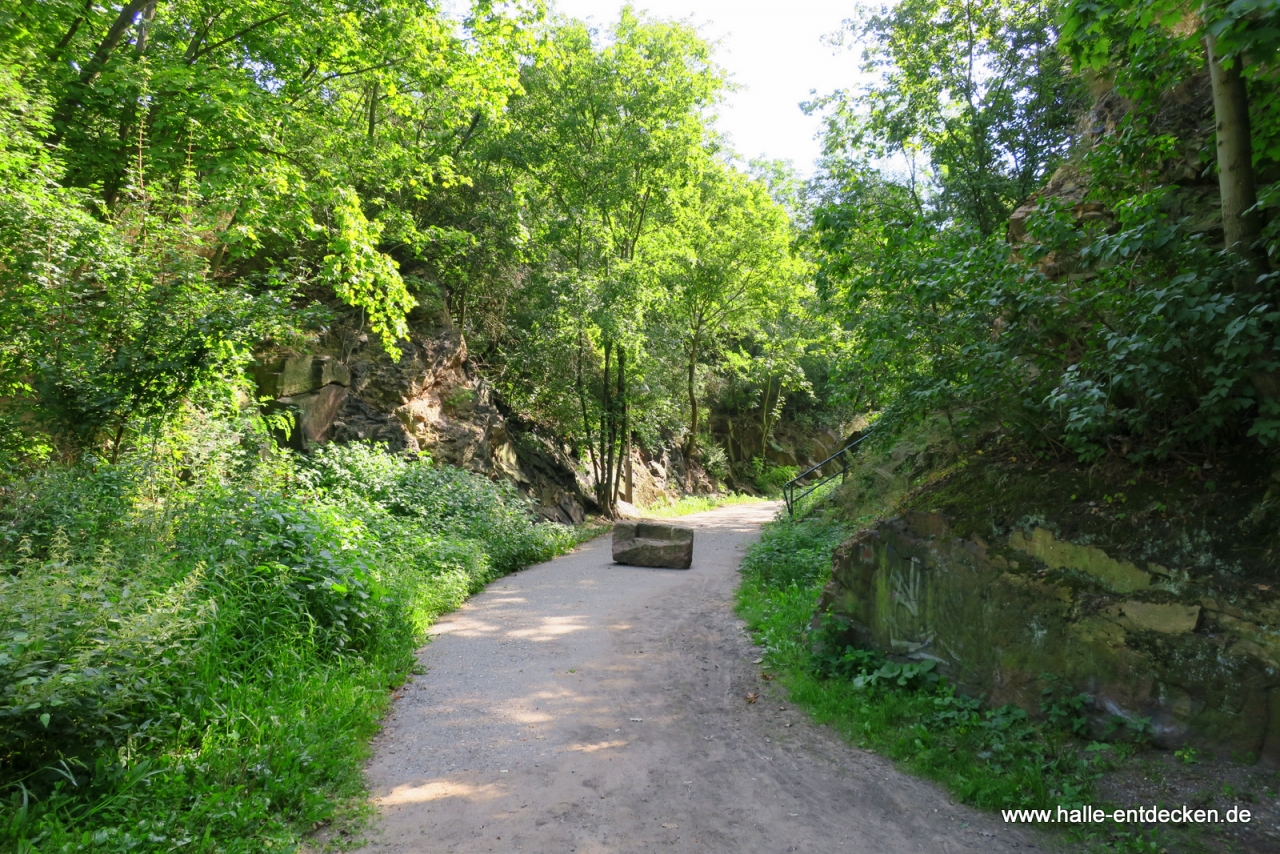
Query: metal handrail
{"type": "Point", "coordinates": [789, 488]}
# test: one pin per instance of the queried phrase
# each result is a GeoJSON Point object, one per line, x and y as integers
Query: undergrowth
{"type": "Point", "coordinates": [687, 504]}
{"type": "Point", "coordinates": [991, 758]}
{"type": "Point", "coordinates": [196, 647]}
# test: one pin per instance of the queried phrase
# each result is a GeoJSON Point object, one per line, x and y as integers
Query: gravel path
{"type": "Point", "coordinates": [580, 706]}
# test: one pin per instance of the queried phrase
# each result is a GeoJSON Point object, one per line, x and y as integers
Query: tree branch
{"type": "Point", "coordinates": [235, 37]}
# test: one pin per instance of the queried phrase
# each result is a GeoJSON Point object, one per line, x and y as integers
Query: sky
{"type": "Point", "coordinates": [773, 51]}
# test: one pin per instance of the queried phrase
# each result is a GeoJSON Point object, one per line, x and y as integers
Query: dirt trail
{"type": "Point", "coordinates": [580, 706]}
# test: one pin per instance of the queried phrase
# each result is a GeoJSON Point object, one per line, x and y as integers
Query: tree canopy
{"type": "Point", "coordinates": [218, 175]}
{"type": "Point", "coordinates": [1003, 217]}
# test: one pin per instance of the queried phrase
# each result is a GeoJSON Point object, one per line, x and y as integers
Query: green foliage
{"type": "Point", "coordinates": [724, 265]}
{"type": "Point", "coordinates": [866, 668]}
{"type": "Point", "coordinates": [794, 553]}
{"type": "Point", "coordinates": [1110, 324]}
{"type": "Point", "coordinates": [176, 641]}
{"type": "Point", "coordinates": [1156, 345]}
{"type": "Point", "coordinates": [442, 500]}
{"type": "Point", "coordinates": [973, 95]}
{"type": "Point", "coordinates": [88, 646]}
{"type": "Point", "coordinates": [769, 478]}
{"type": "Point", "coordinates": [112, 322]}
{"type": "Point", "coordinates": [363, 277]}
{"type": "Point", "coordinates": [688, 504]}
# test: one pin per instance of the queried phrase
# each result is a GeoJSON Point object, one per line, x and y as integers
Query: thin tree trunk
{"type": "Point", "coordinates": [56, 53]}
{"type": "Point", "coordinates": [631, 482]}
{"type": "Point", "coordinates": [621, 403]}
{"type": "Point", "coordinates": [582, 402]}
{"type": "Point", "coordinates": [1241, 224]}
{"type": "Point", "coordinates": [606, 438]}
{"type": "Point", "coordinates": [764, 415]}
{"type": "Point", "coordinates": [144, 27]}
{"type": "Point", "coordinates": [692, 444]}
{"type": "Point", "coordinates": [118, 440]}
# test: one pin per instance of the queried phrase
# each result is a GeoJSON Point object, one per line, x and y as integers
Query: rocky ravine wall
{"type": "Point", "coordinates": [432, 400]}
{"type": "Point", "coordinates": [998, 617]}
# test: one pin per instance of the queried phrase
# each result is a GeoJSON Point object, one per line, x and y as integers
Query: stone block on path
{"type": "Point", "coordinates": [652, 544]}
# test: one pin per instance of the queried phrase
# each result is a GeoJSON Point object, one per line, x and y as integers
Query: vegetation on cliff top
{"type": "Point", "coordinates": [1108, 318]}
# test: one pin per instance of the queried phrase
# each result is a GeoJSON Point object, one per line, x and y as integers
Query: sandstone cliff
{"type": "Point", "coordinates": [1191, 658]}
{"type": "Point", "coordinates": [433, 400]}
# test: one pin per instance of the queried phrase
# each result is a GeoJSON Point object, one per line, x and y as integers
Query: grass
{"type": "Point", "coordinates": [990, 758]}
{"type": "Point", "coordinates": [195, 658]}
{"type": "Point", "coordinates": [688, 504]}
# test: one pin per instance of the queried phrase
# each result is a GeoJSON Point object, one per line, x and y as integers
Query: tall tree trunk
{"type": "Point", "coordinates": [1237, 185]}
{"type": "Point", "coordinates": [603, 485]}
{"type": "Point", "coordinates": [1241, 224]}
{"type": "Point", "coordinates": [631, 482]}
{"type": "Point", "coordinates": [144, 27]}
{"type": "Point", "coordinates": [621, 404]}
{"type": "Point", "coordinates": [692, 443]}
{"type": "Point", "coordinates": [582, 402]}
{"type": "Point", "coordinates": [764, 415]}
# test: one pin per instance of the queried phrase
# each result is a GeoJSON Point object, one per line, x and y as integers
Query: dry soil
{"type": "Point", "coordinates": [581, 706]}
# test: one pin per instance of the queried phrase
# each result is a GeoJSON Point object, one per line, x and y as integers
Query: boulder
{"type": "Point", "coordinates": [651, 544]}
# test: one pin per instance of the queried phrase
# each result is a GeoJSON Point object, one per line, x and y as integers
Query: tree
{"type": "Point", "coordinates": [975, 87]}
{"type": "Point", "coordinates": [726, 256]}
{"type": "Point", "coordinates": [606, 135]}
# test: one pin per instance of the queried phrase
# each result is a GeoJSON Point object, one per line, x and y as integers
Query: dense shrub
{"type": "Point", "coordinates": [199, 652]}
{"type": "Point", "coordinates": [442, 499]}
{"type": "Point", "coordinates": [794, 553]}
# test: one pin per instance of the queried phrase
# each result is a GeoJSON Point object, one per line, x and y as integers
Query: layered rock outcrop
{"type": "Point", "coordinates": [1006, 620]}
{"type": "Point", "coordinates": [787, 444]}
{"type": "Point", "coordinates": [432, 400]}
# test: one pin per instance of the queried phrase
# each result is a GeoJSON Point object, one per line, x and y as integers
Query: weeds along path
{"type": "Point", "coordinates": [580, 706]}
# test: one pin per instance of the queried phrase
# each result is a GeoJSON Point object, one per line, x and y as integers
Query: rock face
{"type": "Point", "coordinates": [649, 544]}
{"type": "Point", "coordinates": [313, 388]}
{"type": "Point", "coordinates": [433, 400]}
{"type": "Point", "coordinates": [998, 618]}
{"type": "Point", "coordinates": [1183, 115]}
{"type": "Point", "coordinates": [788, 444]}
